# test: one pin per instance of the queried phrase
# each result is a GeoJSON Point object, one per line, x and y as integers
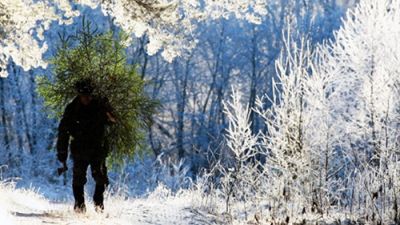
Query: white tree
{"type": "Point", "coordinates": [291, 156]}
{"type": "Point", "coordinates": [168, 24]}
{"type": "Point", "coordinates": [360, 73]}
{"type": "Point", "coordinates": [239, 170]}
{"type": "Point", "coordinates": [22, 24]}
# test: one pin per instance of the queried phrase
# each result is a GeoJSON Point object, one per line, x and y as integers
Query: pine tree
{"type": "Point", "coordinates": [101, 57]}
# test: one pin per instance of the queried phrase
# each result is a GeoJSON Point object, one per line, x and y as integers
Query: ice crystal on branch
{"type": "Point", "coordinates": [22, 23]}
{"type": "Point", "coordinates": [169, 24]}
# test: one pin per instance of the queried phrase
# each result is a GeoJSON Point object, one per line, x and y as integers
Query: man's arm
{"type": "Point", "coordinates": [109, 111]}
{"type": "Point", "coordinates": [64, 135]}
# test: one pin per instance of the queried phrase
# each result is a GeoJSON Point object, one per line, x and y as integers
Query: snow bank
{"type": "Point", "coordinates": [5, 217]}
{"type": "Point", "coordinates": [19, 202]}
{"type": "Point", "coordinates": [162, 206]}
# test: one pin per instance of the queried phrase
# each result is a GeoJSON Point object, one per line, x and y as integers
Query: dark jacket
{"type": "Point", "coordinates": [85, 126]}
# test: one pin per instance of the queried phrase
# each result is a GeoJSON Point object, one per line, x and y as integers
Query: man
{"type": "Point", "coordinates": [84, 122]}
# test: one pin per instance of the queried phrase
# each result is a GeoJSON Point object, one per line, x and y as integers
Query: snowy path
{"type": "Point", "coordinates": [130, 212]}
{"type": "Point", "coordinates": [26, 207]}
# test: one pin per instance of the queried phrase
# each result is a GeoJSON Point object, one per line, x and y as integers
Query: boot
{"type": "Point", "coordinates": [98, 197]}
{"type": "Point", "coordinates": [79, 205]}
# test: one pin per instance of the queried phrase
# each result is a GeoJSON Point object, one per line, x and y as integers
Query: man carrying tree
{"type": "Point", "coordinates": [84, 122]}
{"type": "Point", "coordinates": [83, 127]}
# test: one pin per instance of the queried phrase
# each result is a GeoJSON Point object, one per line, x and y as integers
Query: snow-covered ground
{"type": "Point", "coordinates": [22, 206]}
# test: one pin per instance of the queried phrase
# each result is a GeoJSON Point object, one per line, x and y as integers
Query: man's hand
{"type": "Point", "coordinates": [111, 118]}
{"type": "Point", "coordinates": [63, 169]}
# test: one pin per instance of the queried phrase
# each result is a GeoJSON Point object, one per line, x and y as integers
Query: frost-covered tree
{"type": "Point", "coordinates": [22, 24]}
{"type": "Point", "coordinates": [291, 158]}
{"type": "Point", "coordinates": [239, 172]}
{"type": "Point", "coordinates": [364, 99]}
{"type": "Point", "coordinates": [168, 24]}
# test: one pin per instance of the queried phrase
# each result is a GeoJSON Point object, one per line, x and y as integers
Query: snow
{"type": "Point", "coordinates": [21, 206]}
{"type": "Point", "coordinates": [333, 112]}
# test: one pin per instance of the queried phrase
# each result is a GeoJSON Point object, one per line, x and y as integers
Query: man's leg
{"type": "Point", "coordinates": [78, 183]}
{"type": "Point", "coordinates": [99, 173]}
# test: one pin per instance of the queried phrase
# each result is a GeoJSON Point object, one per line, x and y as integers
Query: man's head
{"type": "Point", "coordinates": [85, 89]}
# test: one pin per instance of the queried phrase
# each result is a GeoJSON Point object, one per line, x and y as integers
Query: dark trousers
{"type": "Point", "coordinates": [99, 174]}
